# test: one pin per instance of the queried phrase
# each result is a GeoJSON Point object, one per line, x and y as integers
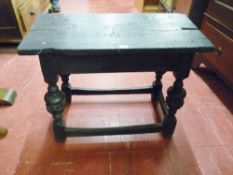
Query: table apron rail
{"type": "Point", "coordinates": [114, 63]}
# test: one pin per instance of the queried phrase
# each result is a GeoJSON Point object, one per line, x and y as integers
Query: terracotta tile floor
{"type": "Point", "coordinates": [202, 143]}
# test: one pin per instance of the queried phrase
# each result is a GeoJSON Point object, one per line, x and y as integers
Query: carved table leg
{"type": "Point", "coordinates": [54, 98]}
{"type": "Point", "coordinates": [55, 102]}
{"type": "Point", "coordinates": [176, 94]}
{"type": "Point", "coordinates": [157, 85]}
{"type": "Point", "coordinates": [175, 100]}
{"type": "Point", "coordinates": [66, 87]}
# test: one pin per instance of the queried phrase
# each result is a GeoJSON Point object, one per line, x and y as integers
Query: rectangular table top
{"type": "Point", "coordinates": [89, 34]}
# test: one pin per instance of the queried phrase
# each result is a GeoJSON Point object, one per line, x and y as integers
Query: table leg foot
{"type": "Point", "coordinates": [169, 127]}
{"type": "Point", "coordinates": [59, 130]}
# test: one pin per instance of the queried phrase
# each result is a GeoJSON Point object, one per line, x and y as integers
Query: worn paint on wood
{"type": "Point", "coordinates": [113, 34]}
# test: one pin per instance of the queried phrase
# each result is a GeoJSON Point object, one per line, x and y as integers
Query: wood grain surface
{"type": "Point", "coordinates": [113, 33]}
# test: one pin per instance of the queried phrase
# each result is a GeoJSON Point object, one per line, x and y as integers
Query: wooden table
{"type": "Point", "coordinates": [109, 43]}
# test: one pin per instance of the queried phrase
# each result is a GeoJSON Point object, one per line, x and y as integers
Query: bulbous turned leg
{"type": "Point", "coordinates": [66, 87]}
{"type": "Point", "coordinates": [54, 98]}
{"type": "Point", "coordinates": [175, 100]}
{"type": "Point", "coordinates": [157, 85]}
{"type": "Point", "coordinates": [55, 102]}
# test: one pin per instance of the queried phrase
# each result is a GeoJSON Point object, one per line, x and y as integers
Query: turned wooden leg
{"type": "Point", "coordinates": [54, 98]}
{"type": "Point", "coordinates": [175, 100]}
{"type": "Point", "coordinates": [157, 85]}
{"type": "Point", "coordinates": [55, 102]}
{"type": "Point", "coordinates": [66, 87]}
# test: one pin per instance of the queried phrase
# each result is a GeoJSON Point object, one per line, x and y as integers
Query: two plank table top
{"type": "Point", "coordinates": [103, 43]}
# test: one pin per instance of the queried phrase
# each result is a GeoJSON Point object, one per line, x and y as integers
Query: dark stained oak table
{"type": "Point", "coordinates": [109, 43]}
